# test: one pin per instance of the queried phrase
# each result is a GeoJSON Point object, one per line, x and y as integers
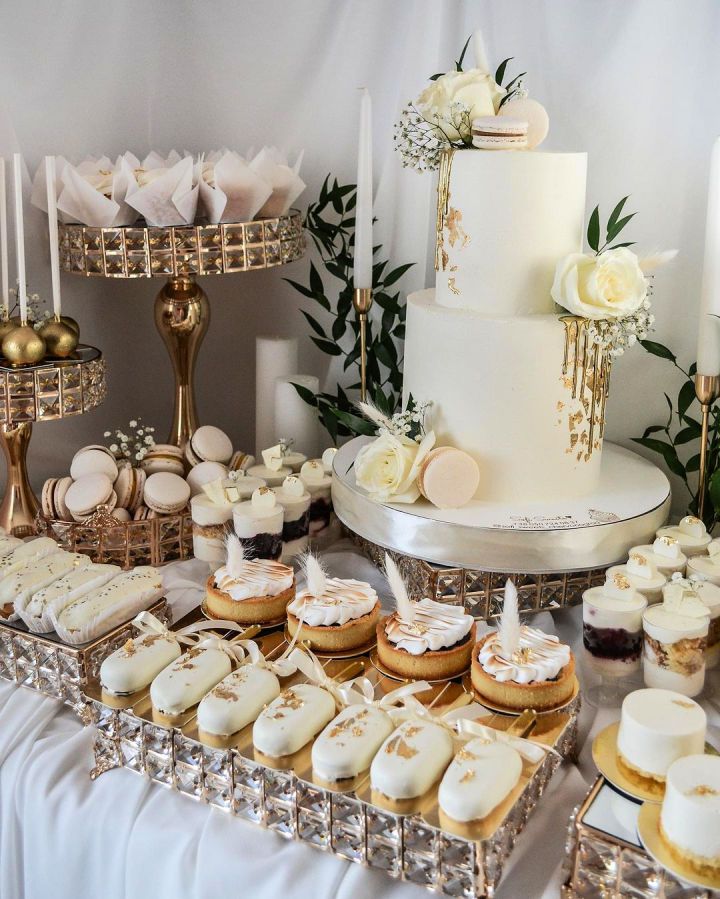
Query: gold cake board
{"type": "Point", "coordinates": [553, 552]}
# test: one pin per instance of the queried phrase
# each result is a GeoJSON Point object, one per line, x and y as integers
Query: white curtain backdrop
{"type": "Point", "coordinates": [633, 82]}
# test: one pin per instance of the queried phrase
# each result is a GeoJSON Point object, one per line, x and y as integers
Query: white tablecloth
{"type": "Point", "coordinates": [62, 835]}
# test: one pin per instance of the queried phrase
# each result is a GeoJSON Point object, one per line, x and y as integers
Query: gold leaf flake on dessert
{"type": "Point", "coordinates": [560, 405]}
{"type": "Point", "coordinates": [399, 747]}
{"type": "Point", "coordinates": [129, 647]}
{"type": "Point", "coordinates": [350, 725]}
{"type": "Point", "coordinates": [683, 703]}
{"type": "Point", "coordinates": [467, 776]}
{"type": "Point", "coordinates": [638, 559]}
{"type": "Point", "coordinates": [464, 755]}
{"type": "Point", "coordinates": [620, 581]}
{"type": "Point", "coordinates": [453, 227]}
{"type": "Point", "coordinates": [703, 790]}
{"type": "Point", "coordinates": [453, 287]}
{"type": "Point", "coordinates": [290, 700]}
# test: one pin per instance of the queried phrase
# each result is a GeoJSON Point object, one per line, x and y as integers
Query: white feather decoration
{"type": "Point", "coordinates": [655, 260]}
{"type": "Point", "coordinates": [236, 556]}
{"type": "Point", "coordinates": [405, 606]}
{"type": "Point", "coordinates": [371, 411]}
{"type": "Point", "coordinates": [509, 628]}
{"type": "Point", "coordinates": [315, 574]}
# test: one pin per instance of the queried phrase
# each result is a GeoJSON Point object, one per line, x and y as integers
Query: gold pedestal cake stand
{"type": "Point", "coordinates": [182, 310]}
{"type": "Point", "coordinates": [53, 389]}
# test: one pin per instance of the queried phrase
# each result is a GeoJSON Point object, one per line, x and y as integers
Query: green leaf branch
{"type": "Point", "coordinates": [615, 225]}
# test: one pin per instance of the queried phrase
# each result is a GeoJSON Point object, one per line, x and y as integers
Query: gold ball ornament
{"type": "Point", "coordinates": [6, 326]}
{"type": "Point", "coordinates": [71, 323]}
{"type": "Point", "coordinates": [23, 346]}
{"type": "Point", "coordinates": [60, 338]}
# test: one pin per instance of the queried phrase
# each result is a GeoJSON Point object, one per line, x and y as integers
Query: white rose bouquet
{"type": "Point", "coordinates": [389, 466]}
{"type": "Point", "coordinates": [609, 287]}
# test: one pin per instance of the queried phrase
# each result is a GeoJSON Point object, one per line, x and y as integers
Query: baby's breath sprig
{"type": "Point", "coordinates": [37, 316]}
{"type": "Point", "coordinates": [132, 444]}
{"type": "Point", "coordinates": [409, 424]}
{"type": "Point", "coordinates": [420, 141]}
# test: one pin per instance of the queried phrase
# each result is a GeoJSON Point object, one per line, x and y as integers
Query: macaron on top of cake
{"type": "Point", "coordinates": [93, 460]}
{"type": "Point", "coordinates": [448, 477]}
{"type": "Point", "coordinates": [87, 493]}
{"type": "Point", "coordinates": [166, 493]}
{"type": "Point", "coordinates": [208, 444]}
{"type": "Point", "coordinates": [499, 133]}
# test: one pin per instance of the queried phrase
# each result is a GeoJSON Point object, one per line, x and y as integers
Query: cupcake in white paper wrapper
{"type": "Point", "coordinates": [286, 183]}
{"type": "Point", "coordinates": [230, 190]}
{"type": "Point", "coordinates": [165, 191]}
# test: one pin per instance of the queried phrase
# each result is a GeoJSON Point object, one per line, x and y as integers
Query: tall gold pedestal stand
{"type": "Point", "coordinates": [707, 390]}
{"type": "Point", "coordinates": [48, 391]}
{"type": "Point", "coordinates": [182, 310]}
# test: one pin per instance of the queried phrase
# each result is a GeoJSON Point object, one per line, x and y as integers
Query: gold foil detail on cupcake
{"type": "Point", "coordinates": [703, 790]}
{"type": "Point", "coordinates": [620, 581]}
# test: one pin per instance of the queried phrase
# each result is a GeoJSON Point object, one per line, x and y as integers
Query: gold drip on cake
{"type": "Point", "coordinates": [589, 382]}
{"type": "Point", "coordinates": [446, 159]}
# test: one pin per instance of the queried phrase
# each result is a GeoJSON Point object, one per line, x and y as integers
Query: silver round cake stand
{"type": "Point", "coordinates": [552, 551]}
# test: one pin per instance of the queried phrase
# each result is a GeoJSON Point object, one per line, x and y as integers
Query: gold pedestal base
{"type": "Point", "coordinates": [182, 316]}
{"type": "Point", "coordinates": [19, 506]}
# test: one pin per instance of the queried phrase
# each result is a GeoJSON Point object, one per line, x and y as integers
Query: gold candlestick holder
{"type": "Point", "coordinates": [362, 303]}
{"type": "Point", "coordinates": [707, 390]}
{"type": "Point", "coordinates": [48, 391]}
{"type": "Point", "coordinates": [182, 309]}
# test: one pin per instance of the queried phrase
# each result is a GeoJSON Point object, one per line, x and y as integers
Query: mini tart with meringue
{"type": "Point", "coordinates": [436, 644]}
{"type": "Point", "coordinates": [343, 616]}
{"type": "Point", "coordinates": [255, 592]}
{"type": "Point", "coordinates": [540, 675]}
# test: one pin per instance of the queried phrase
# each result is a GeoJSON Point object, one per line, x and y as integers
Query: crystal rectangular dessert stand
{"type": "Point", "coordinates": [182, 310]}
{"type": "Point", "coordinates": [46, 664]}
{"type": "Point", "coordinates": [604, 857]}
{"type": "Point", "coordinates": [48, 391]}
{"type": "Point", "coordinates": [281, 795]}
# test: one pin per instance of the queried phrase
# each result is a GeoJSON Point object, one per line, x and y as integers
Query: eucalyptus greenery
{"type": "Point", "coordinates": [330, 223]}
{"type": "Point", "coordinates": [678, 439]}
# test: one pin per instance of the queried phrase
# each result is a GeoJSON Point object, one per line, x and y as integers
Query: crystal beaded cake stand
{"type": "Point", "coordinates": [182, 310]}
{"type": "Point", "coordinates": [553, 551]}
{"type": "Point", "coordinates": [53, 389]}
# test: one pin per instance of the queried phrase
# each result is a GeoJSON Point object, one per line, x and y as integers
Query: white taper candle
{"type": "Point", "coordinates": [4, 274]}
{"type": "Point", "coordinates": [20, 237]}
{"type": "Point", "coordinates": [478, 45]}
{"type": "Point", "coordinates": [275, 357]}
{"type": "Point", "coordinates": [708, 353]}
{"type": "Point", "coordinates": [50, 179]}
{"type": "Point", "coordinates": [362, 271]}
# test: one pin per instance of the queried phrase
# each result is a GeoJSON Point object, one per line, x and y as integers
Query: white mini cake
{"type": "Point", "coordinates": [237, 700]}
{"type": "Point", "coordinates": [709, 594]}
{"type": "Point", "coordinates": [411, 759]}
{"type": "Point", "coordinates": [656, 728]}
{"type": "Point", "coordinates": [480, 776]}
{"type": "Point", "coordinates": [664, 553]}
{"type": "Point", "coordinates": [18, 587]}
{"type": "Point", "coordinates": [292, 720]}
{"type": "Point", "coordinates": [37, 612]}
{"type": "Point", "coordinates": [184, 682]}
{"type": "Point", "coordinates": [134, 666]}
{"type": "Point", "coordinates": [349, 742]}
{"type": "Point", "coordinates": [691, 535]}
{"type": "Point", "coordinates": [119, 600]}
{"type": "Point", "coordinates": [318, 483]}
{"type": "Point", "coordinates": [643, 576]}
{"type": "Point", "coordinates": [690, 813]}
{"type": "Point", "coordinates": [295, 502]}
{"type": "Point", "coordinates": [210, 521]}
{"type": "Point", "coordinates": [613, 626]}
{"type": "Point", "coordinates": [259, 523]}
{"type": "Point", "coordinates": [707, 566]}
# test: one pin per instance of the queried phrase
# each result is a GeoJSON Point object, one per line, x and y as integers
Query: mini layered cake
{"type": "Point", "coordinates": [237, 700]}
{"type": "Point", "coordinates": [691, 535]}
{"type": "Point", "coordinates": [259, 524]}
{"type": "Point", "coordinates": [247, 590]}
{"type": "Point", "coordinates": [478, 779]}
{"type": "Point", "coordinates": [137, 663]}
{"type": "Point", "coordinates": [707, 566]}
{"type": "Point", "coordinates": [411, 759]}
{"type": "Point", "coordinates": [657, 727]}
{"type": "Point", "coordinates": [318, 483]}
{"type": "Point", "coordinates": [709, 595]}
{"type": "Point", "coordinates": [295, 502]}
{"type": "Point", "coordinates": [334, 615]}
{"type": "Point", "coordinates": [292, 720]}
{"type": "Point", "coordinates": [348, 744]}
{"type": "Point", "coordinates": [210, 527]}
{"type": "Point", "coordinates": [423, 640]}
{"type": "Point", "coordinates": [520, 667]}
{"type": "Point", "coordinates": [691, 812]}
{"type": "Point", "coordinates": [182, 684]}
{"type": "Point", "coordinates": [665, 554]}
{"type": "Point", "coordinates": [675, 640]}
{"type": "Point", "coordinates": [643, 576]}
{"type": "Point", "coordinates": [613, 626]}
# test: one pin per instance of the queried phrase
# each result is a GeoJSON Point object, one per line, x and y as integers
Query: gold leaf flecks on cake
{"type": "Point", "coordinates": [452, 286]}
{"type": "Point", "coordinates": [467, 776]}
{"type": "Point", "coordinates": [703, 790]}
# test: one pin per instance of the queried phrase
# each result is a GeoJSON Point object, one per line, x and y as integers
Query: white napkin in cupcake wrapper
{"type": "Point", "coordinates": [287, 185]}
{"type": "Point", "coordinates": [165, 191]}
{"type": "Point", "coordinates": [230, 190]}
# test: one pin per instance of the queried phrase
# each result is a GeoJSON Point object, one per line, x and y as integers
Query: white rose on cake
{"type": "Point", "coordinates": [475, 90]}
{"type": "Point", "coordinates": [388, 467]}
{"type": "Point", "coordinates": [609, 285]}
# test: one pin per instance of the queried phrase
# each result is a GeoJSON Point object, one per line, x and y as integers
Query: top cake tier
{"type": "Point", "coordinates": [504, 220]}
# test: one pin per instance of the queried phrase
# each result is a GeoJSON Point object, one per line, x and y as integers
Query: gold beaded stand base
{"type": "Point", "coordinates": [53, 389]}
{"type": "Point", "coordinates": [182, 310]}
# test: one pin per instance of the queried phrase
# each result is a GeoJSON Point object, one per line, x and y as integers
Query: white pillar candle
{"type": "Point", "coordinates": [708, 354]}
{"type": "Point", "coordinates": [294, 418]}
{"type": "Point", "coordinates": [53, 232]}
{"type": "Point", "coordinates": [20, 237]}
{"type": "Point", "coordinates": [478, 45]}
{"type": "Point", "coordinates": [275, 357]}
{"type": "Point", "coordinates": [4, 276]}
{"type": "Point", "coordinates": [362, 271]}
